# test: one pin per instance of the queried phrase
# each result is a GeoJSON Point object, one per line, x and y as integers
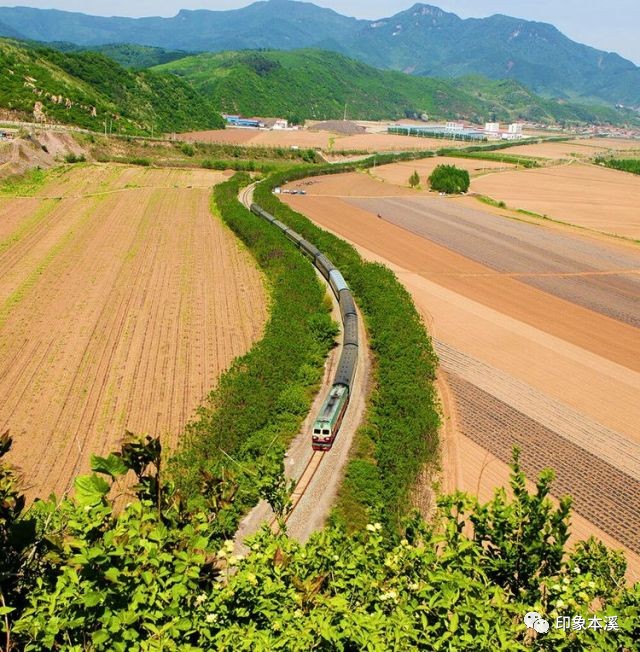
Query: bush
{"type": "Point", "coordinates": [75, 158]}
{"type": "Point", "coordinates": [624, 165]}
{"type": "Point", "coordinates": [414, 179]}
{"type": "Point", "coordinates": [188, 149]}
{"type": "Point", "coordinates": [84, 574]}
{"type": "Point", "coordinates": [449, 179]}
{"type": "Point", "coordinates": [136, 160]}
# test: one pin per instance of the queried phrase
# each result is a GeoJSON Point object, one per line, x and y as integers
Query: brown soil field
{"type": "Point", "coordinates": [299, 138]}
{"type": "Point", "coordinates": [399, 173]}
{"type": "Point", "coordinates": [593, 274]}
{"type": "Point", "coordinates": [522, 363]}
{"type": "Point", "coordinates": [120, 305]}
{"type": "Point", "coordinates": [352, 184]}
{"type": "Point", "coordinates": [613, 144]}
{"type": "Point", "coordinates": [575, 148]}
{"type": "Point", "coordinates": [586, 195]}
{"type": "Point", "coordinates": [321, 139]}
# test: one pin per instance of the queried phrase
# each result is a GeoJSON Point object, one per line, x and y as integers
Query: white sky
{"type": "Point", "coordinates": [612, 25]}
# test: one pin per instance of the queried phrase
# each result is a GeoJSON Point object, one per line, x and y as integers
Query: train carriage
{"type": "Point", "coordinates": [327, 424]}
{"type": "Point", "coordinates": [324, 265]}
{"type": "Point", "coordinates": [350, 323]}
{"type": "Point", "coordinates": [329, 419]}
{"type": "Point", "coordinates": [347, 304]}
{"type": "Point", "coordinates": [347, 365]}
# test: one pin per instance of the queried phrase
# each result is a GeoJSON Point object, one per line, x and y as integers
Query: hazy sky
{"type": "Point", "coordinates": [612, 25]}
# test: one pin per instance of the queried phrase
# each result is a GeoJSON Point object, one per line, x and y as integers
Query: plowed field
{"type": "Point", "coordinates": [586, 195]}
{"type": "Point", "coordinates": [321, 139]}
{"type": "Point", "coordinates": [121, 301]}
{"type": "Point", "coordinates": [537, 331]}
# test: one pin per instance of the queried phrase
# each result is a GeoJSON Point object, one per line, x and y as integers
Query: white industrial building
{"type": "Point", "coordinates": [514, 131]}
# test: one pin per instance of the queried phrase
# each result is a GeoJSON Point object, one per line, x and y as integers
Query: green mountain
{"type": "Point", "coordinates": [138, 57]}
{"type": "Point", "coordinates": [425, 40]}
{"type": "Point", "coordinates": [315, 84]}
{"type": "Point", "coordinates": [88, 88]}
{"type": "Point", "coordinates": [422, 40]}
{"type": "Point", "coordinates": [8, 31]}
{"type": "Point", "coordinates": [135, 57]}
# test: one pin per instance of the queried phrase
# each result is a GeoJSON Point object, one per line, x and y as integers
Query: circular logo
{"type": "Point", "coordinates": [533, 620]}
{"type": "Point", "coordinates": [530, 619]}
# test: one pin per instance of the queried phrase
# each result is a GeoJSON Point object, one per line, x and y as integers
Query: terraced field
{"type": "Point", "coordinates": [121, 301]}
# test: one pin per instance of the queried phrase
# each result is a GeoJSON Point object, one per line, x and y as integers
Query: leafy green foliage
{"type": "Point", "coordinates": [625, 165]}
{"type": "Point", "coordinates": [414, 179]}
{"type": "Point", "coordinates": [401, 430]}
{"type": "Point", "coordinates": [260, 402]}
{"type": "Point", "coordinates": [152, 576]}
{"type": "Point", "coordinates": [449, 179]}
{"type": "Point", "coordinates": [88, 90]}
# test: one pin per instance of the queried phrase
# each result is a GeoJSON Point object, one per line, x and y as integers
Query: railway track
{"type": "Point", "coordinates": [299, 491]}
{"type": "Point", "coordinates": [313, 472]}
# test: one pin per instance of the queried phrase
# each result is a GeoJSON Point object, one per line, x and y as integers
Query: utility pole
{"type": "Point", "coordinates": [345, 112]}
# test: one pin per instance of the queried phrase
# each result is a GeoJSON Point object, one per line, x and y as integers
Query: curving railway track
{"type": "Point", "coordinates": [316, 483]}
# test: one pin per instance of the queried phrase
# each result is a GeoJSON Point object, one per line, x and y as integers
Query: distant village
{"type": "Point", "coordinates": [454, 130]}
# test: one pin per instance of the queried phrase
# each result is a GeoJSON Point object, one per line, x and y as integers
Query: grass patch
{"type": "Point", "coordinates": [521, 161]}
{"type": "Point", "coordinates": [25, 185]}
{"type": "Point", "coordinates": [490, 201]}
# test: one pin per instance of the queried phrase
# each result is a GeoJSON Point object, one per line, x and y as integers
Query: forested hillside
{"type": "Point", "coordinates": [86, 89]}
{"type": "Point", "coordinates": [316, 84]}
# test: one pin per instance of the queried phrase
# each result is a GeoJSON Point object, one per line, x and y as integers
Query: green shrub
{"type": "Point", "coordinates": [414, 179]}
{"type": "Point", "coordinates": [449, 179]}
{"type": "Point", "coordinates": [137, 160]}
{"type": "Point", "coordinates": [624, 165]}
{"type": "Point", "coordinates": [188, 149]}
{"type": "Point", "coordinates": [84, 574]}
{"type": "Point", "coordinates": [75, 158]}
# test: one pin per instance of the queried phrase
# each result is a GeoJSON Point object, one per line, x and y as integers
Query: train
{"type": "Point", "coordinates": [331, 414]}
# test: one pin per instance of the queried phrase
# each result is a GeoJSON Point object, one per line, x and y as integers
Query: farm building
{"type": "Point", "coordinates": [451, 130]}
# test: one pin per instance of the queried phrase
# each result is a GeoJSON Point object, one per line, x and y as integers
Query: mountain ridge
{"type": "Point", "coordinates": [421, 40]}
{"type": "Point", "coordinates": [317, 84]}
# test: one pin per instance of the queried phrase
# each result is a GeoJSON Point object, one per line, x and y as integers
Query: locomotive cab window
{"type": "Point", "coordinates": [326, 432]}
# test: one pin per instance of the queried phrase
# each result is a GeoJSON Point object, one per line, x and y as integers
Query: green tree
{"type": "Point", "coordinates": [414, 179]}
{"type": "Point", "coordinates": [449, 179]}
